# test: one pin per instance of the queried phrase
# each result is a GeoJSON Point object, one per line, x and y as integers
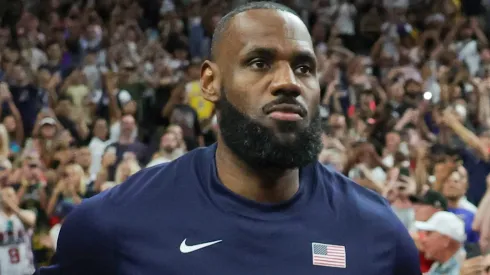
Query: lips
{"type": "Point", "coordinates": [287, 108]}
{"type": "Point", "coordinates": [286, 112]}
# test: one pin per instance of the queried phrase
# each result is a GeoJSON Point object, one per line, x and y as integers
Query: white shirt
{"type": "Point", "coordinates": [345, 22]}
{"type": "Point", "coordinates": [54, 232]}
{"type": "Point", "coordinates": [157, 161]}
{"type": "Point", "coordinates": [467, 205]}
{"type": "Point", "coordinates": [97, 147]}
{"type": "Point", "coordinates": [115, 132]}
{"type": "Point", "coordinates": [468, 52]}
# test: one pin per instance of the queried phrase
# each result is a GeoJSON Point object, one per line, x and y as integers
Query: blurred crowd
{"type": "Point", "coordinates": [93, 91]}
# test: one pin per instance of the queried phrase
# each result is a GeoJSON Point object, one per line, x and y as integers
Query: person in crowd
{"type": "Point", "coordinates": [442, 242]}
{"type": "Point", "coordinates": [17, 224]}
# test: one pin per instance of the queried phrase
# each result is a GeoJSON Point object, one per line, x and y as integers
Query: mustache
{"type": "Point", "coordinates": [284, 100]}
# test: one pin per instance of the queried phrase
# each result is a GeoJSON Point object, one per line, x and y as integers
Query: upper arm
{"type": "Point", "coordinates": [84, 243]}
{"type": "Point", "coordinates": [407, 257]}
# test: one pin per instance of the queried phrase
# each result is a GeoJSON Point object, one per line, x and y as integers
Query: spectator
{"type": "Point", "coordinates": [444, 235]}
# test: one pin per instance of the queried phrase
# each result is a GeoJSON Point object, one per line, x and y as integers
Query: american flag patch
{"type": "Point", "coordinates": [328, 255]}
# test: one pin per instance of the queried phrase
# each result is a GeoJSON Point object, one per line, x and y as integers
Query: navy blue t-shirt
{"type": "Point", "coordinates": [178, 218]}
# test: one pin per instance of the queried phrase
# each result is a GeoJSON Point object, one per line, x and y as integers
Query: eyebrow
{"type": "Point", "coordinates": [302, 56]}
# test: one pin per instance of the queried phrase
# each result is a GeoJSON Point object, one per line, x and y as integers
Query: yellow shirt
{"type": "Point", "coordinates": [203, 107]}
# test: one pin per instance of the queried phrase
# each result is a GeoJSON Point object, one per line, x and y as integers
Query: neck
{"type": "Point", "coordinates": [265, 185]}
{"type": "Point", "coordinates": [452, 203]}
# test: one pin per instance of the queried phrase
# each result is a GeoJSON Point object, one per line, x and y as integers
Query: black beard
{"type": "Point", "coordinates": [259, 147]}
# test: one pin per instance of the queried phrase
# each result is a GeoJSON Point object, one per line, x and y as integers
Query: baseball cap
{"type": "Point", "coordinates": [48, 121]}
{"type": "Point", "coordinates": [432, 198]}
{"type": "Point", "coordinates": [445, 223]}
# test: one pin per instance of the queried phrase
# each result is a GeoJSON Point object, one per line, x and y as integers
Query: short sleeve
{"type": "Point", "coordinates": [84, 243]}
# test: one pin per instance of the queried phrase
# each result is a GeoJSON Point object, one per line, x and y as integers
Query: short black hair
{"type": "Point", "coordinates": [223, 22]}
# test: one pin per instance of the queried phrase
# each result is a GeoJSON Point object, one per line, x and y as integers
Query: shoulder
{"type": "Point", "coordinates": [375, 215]}
{"type": "Point", "coordinates": [158, 179]}
{"type": "Point", "coordinates": [361, 199]}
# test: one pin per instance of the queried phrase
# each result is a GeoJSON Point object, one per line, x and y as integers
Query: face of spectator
{"type": "Point", "coordinates": [91, 59]}
{"type": "Point", "coordinates": [84, 157]}
{"type": "Point", "coordinates": [130, 35]}
{"type": "Point", "coordinates": [48, 131]}
{"type": "Point", "coordinates": [72, 175]}
{"type": "Point", "coordinates": [10, 125]}
{"type": "Point", "coordinates": [392, 141]}
{"type": "Point", "coordinates": [100, 129]}
{"type": "Point", "coordinates": [169, 142]}
{"type": "Point", "coordinates": [177, 131]}
{"type": "Point", "coordinates": [454, 188]}
{"type": "Point", "coordinates": [337, 122]}
{"type": "Point", "coordinates": [260, 70]}
{"type": "Point", "coordinates": [485, 139]}
{"type": "Point", "coordinates": [127, 125]}
{"type": "Point", "coordinates": [19, 74]}
{"type": "Point", "coordinates": [434, 244]}
{"type": "Point", "coordinates": [129, 108]}
{"type": "Point", "coordinates": [466, 33]}
{"type": "Point", "coordinates": [423, 212]}
{"type": "Point", "coordinates": [43, 76]}
{"type": "Point", "coordinates": [54, 51]}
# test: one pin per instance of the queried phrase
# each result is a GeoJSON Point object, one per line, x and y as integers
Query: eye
{"type": "Point", "coordinates": [259, 64]}
{"type": "Point", "coordinates": [303, 69]}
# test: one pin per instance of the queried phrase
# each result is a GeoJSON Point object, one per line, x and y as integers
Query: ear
{"type": "Point", "coordinates": [210, 81]}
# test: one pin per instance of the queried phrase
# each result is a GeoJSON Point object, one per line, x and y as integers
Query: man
{"type": "Point", "coordinates": [16, 256]}
{"type": "Point", "coordinates": [167, 151]}
{"type": "Point", "coordinates": [454, 189]}
{"type": "Point", "coordinates": [258, 202]}
{"type": "Point", "coordinates": [444, 236]}
{"type": "Point", "coordinates": [425, 207]}
{"type": "Point", "coordinates": [127, 142]}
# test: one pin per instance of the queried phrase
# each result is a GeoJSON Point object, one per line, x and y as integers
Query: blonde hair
{"type": "Point", "coordinates": [130, 164]}
{"type": "Point", "coordinates": [4, 141]}
{"type": "Point", "coordinates": [79, 170]}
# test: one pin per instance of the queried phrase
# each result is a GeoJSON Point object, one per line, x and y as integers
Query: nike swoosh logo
{"type": "Point", "coordinates": [184, 248]}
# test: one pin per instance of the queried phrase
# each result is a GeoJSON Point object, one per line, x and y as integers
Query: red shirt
{"type": "Point", "coordinates": [425, 263]}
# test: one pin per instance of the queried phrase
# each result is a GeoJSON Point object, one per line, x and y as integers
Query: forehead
{"type": "Point", "coordinates": [269, 28]}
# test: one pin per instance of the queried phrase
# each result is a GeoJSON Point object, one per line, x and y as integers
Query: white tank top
{"type": "Point", "coordinates": [16, 256]}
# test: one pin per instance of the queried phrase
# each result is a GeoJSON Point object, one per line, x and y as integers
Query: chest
{"type": "Point", "coordinates": [213, 244]}
{"type": "Point", "coordinates": [12, 231]}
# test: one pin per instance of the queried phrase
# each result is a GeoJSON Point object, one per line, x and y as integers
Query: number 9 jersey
{"type": "Point", "coordinates": [16, 257]}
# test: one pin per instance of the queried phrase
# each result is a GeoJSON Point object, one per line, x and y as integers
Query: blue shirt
{"type": "Point", "coordinates": [451, 267]}
{"type": "Point", "coordinates": [478, 170]}
{"type": "Point", "coordinates": [467, 217]}
{"type": "Point", "coordinates": [145, 226]}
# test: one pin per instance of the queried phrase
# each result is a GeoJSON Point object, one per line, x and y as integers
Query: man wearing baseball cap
{"type": "Point", "coordinates": [425, 206]}
{"type": "Point", "coordinates": [442, 242]}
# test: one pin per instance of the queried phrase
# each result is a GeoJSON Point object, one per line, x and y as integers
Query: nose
{"type": "Point", "coordinates": [285, 82]}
